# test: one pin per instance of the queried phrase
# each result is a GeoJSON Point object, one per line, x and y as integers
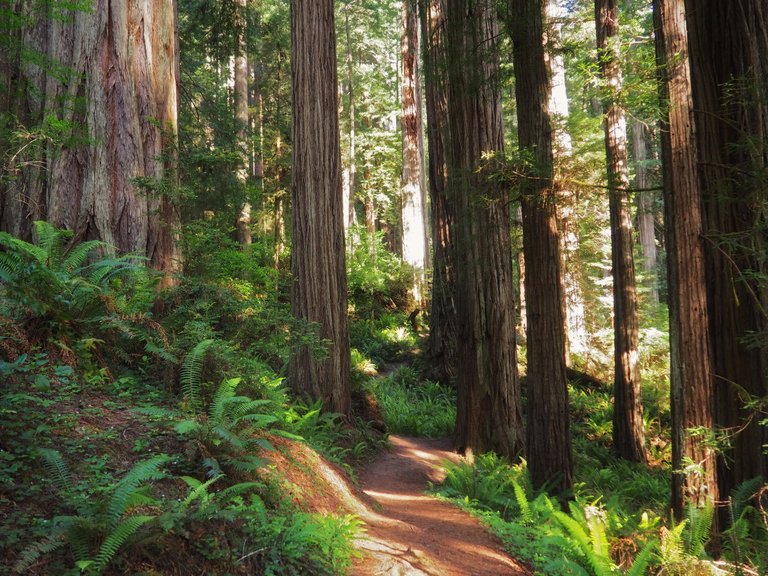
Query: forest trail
{"type": "Point", "coordinates": [414, 534]}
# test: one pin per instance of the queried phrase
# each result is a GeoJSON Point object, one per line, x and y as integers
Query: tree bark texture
{"type": "Point", "coordinates": [114, 81]}
{"type": "Point", "coordinates": [414, 232]}
{"type": "Point", "coordinates": [628, 434]}
{"type": "Point", "coordinates": [319, 288]}
{"type": "Point", "coordinates": [489, 413]}
{"type": "Point", "coordinates": [694, 467]}
{"type": "Point", "coordinates": [729, 53]}
{"type": "Point", "coordinates": [646, 227]}
{"type": "Point", "coordinates": [441, 349]}
{"type": "Point", "coordinates": [549, 440]}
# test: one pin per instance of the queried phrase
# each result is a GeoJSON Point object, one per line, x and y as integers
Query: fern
{"type": "Point", "coordinates": [699, 529]}
{"type": "Point", "coordinates": [143, 471]}
{"type": "Point", "coordinates": [591, 545]}
{"type": "Point", "coordinates": [116, 538]}
{"type": "Point", "coordinates": [743, 493]}
{"type": "Point", "coordinates": [191, 373]}
{"type": "Point", "coordinates": [224, 393]}
{"type": "Point", "coordinates": [31, 554]}
{"type": "Point", "coordinates": [57, 470]}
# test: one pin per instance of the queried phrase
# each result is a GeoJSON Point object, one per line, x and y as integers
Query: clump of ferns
{"type": "Point", "coordinates": [225, 430]}
{"type": "Point", "coordinates": [98, 528]}
{"type": "Point", "coordinates": [77, 295]}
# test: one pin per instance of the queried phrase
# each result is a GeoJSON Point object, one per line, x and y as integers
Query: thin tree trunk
{"type": "Point", "coordinates": [628, 434]}
{"type": "Point", "coordinates": [691, 369]}
{"type": "Point", "coordinates": [646, 227]}
{"type": "Point", "coordinates": [573, 300]}
{"type": "Point", "coordinates": [549, 440]}
{"type": "Point", "coordinates": [242, 118]}
{"type": "Point", "coordinates": [441, 350]}
{"type": "Point", "coordinates": [414, 235]}
{"type": "Point", "coordinates": [489, 415]}
{"type": "Point", "coordinates": [350, 215]}
{"type": "Point", "coordinates": [319, 289]}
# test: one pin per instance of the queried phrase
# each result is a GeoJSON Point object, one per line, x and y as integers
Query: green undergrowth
{"type": "Point", "coordinates": [136, 430]}
{"type": "Point", "coordinates": [413, 406]}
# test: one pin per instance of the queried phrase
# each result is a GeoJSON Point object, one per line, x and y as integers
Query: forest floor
{"type": "Point", "coordinates": [413, 534]}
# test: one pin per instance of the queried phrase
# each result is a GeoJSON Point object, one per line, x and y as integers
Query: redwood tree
{"type": "Point", "coordinates": [628, 435]}
{"type": "Point", "coordinates": [488, 410]}
{"type": "Point", "coordinates": [549, 440]}
{"type": "Point", "coordinates": [693, 459]}
{"type": "Point", "coordinates": [319, 287]}
{"type": "Point", "coordinates": [729, 53]}
{"type": "Point", "coordinates": [441, 350]}
{"type": "Point", "coordinates": [109, 86]}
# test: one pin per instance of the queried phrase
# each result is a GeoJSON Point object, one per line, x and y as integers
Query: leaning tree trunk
{"type": "Point", "coordinates": [113, 178]}
{"type": "Point", "coordinates": [691, 371]}
{"type": "Point", "coordinates": [319, 288]}
{"type": "Point", "coordinates": [628, 434]}
{"type": "Point", "coordinates": [729, 46]}
{"type": "Point", "coordinates": [549, 439]}
{"type": "Point", "coordinates": [414, 233]}
{"type": "Point", "coordinates": [441, 348]}
{"type": "Point", "coordinates": [489, 413]}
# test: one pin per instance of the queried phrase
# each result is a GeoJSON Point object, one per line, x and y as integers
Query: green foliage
{"type": "Point", "coordinates": [412, 407]}
{"type": "Point", "coordinates": [102, 526]}
{"type": "Point", "coordinates": [377, 280]}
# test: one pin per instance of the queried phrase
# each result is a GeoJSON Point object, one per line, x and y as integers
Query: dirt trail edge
{"type": "Point", "coordinates": [414, 534]}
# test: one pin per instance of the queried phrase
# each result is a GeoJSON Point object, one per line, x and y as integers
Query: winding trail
{"type": "Point", "coordinates": [413, 534]}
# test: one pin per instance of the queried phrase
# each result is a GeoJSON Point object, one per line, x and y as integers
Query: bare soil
{"type": "Point", "coordinates": [413, 534]}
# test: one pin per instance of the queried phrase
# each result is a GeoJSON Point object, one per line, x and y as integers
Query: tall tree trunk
{"type": "Point", "coordinates": [242, 118]}
{"type": "Point", "coordinates": [489, 415]}
{"type": "Point", "coordinates": [691, 368]}
{"type": "Point", "coordinates": [119, 97]}
{"type": "Point", "coordinates": [628, 434]}
{"type": "Point", "coordinates": [441, 349]}
{"type": "Point", "coordinates": [414, 234]}
{"type": "Point", "coordinates": [573, 299]}
{"type": "Point", "coordinates": [319, 288]}
{"type": "Point", "coordinates": [549, 439]}
{"type": "Point", "coordinates": [646, 225]}
{"type": "Point", "coordinates": [349, 195]}
{"type": "Point", "coordinates": [729, 53]}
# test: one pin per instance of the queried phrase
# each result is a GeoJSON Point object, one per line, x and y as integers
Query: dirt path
{"type": "Point", "coordinates": [416, 535]}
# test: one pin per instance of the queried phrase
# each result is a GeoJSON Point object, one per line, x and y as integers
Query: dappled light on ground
{"type": "Point", "coordinates": [423, 536]}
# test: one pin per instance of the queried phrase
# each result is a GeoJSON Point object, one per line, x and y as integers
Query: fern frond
{"type": "Point", "coordinates": [58, 471]}
{"type": "Point", "coordinates": [522, 502]}
{"type": "Point", "coordinates": [191, 373]}
{"type": "Point", "coordinates": [247, 463]}
{"type": "Point", "coordinates": [78, 531]}
{"type": "Point", "coordinates": [743, 493]}
{"type": "Point", "coordinates": [76, 255]}
{"type": "Point", "coordinates": [642, 560]}
{"type": "Point", "coordinates": [199, 490]}
{"type": "Point", "coordinates": [228, 436]}
{"type": "Point", "coordinates": [116, 539]}
{"type": "Point", "coordinates": [31, 554]}
{"type": "Point", "coordinates": [143, 471]}
{"type": "Point", "coordinates": [699, 529]}
{"type": "Point", "coordinates": [23, 249]}
{"type": "Point", "coordinates": [583, 541]}
{"type": "Point", "coordinates": [258, 420]}
{"type": "Point", "coordinates": [51, 240]}
{"type": "Point", "coordinates": [224, 392]}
